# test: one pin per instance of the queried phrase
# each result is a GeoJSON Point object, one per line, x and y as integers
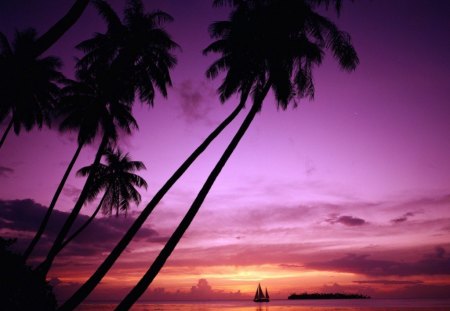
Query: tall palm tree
{"type": "Point", "coordinates": [90, 106]}
{"type": "Point", "coordinates": [29, 85]}
{"type": "Point", "coordinates": [118, 181]}
{"type": "Point", "coordinates": [139, 52]}
{"type": "Point", "coordinates": [285, 39]}
{"type": "Point", "coordinates": [101, 103]}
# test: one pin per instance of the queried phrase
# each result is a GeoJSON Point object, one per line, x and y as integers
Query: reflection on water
{"type": "Point", "coordinates": [289, 305]}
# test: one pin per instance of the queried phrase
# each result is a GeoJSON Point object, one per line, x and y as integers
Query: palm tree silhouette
{"type": "Point", "coordinates": [98, 103]}
{"type": "Point", "coordinates": [11, 65]}
{"type": "Point", "coordinates": [281, 42]}
{"type": "Point", "coordinates": [92, 105]}
{"type": "Point", "coordinates": [118, 181]}
{"type": "Point", "coordinates": [138, 51]}
{"type": "Point", "coordinates": [29, 89]}
{"type": "Point", "coordinates": [137, 46]}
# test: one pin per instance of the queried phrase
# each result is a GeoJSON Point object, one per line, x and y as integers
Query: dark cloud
{"type": "Point", "coordinates": [195, 99]}
{"type": "Point", "coordinates": [389, 282]}
{"type": "Point", "coordinates": [402, 218]}
{"type": "Point", "coordinates": [5, 171]}
{"type": "Point", "coordinates": [22, 218]}
{"type": "Point", "coordinates": [437, 263]}
{"type": "Point", "coordinates": [346, 220]}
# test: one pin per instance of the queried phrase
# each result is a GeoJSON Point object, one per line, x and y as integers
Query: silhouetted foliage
{"type": "Point", "coordinates": [21, 288]}
{"type": "Point", "coordinates": [117, 179]}
{"type": "Point", "coordinates": [327, 296]}
{"type": "Point", "coordinates": [131, 57]}
{"type": "Point", "coordinates": [28, 85]}
{"type": "Point", "coordinates": [98, 103]}
{"type": "Point", "coordinates": [137, 47]}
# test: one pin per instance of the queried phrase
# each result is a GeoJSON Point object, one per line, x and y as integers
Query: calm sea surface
{"type": "Point", "coordinates": [289, 305]}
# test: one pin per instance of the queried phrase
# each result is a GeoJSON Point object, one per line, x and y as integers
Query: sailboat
{"type": "Point", "coordinates": [260, 296]}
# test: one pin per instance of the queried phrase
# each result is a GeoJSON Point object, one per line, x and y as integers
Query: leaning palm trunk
{"type": "Point", "coordinates": [56, 247]}
{"type": "Point", "coordinates": [101, 271]}
{"type": "Point", "coordinates": [159, 262]}
{"type": "Point", "coordinates": [44, 222]}
{"type": "Point", "coordinates": [5, 133]}
{"type": "Point", "coordinates": [59, 29]}
{"type": "Point", "coordinates": [84, 226]}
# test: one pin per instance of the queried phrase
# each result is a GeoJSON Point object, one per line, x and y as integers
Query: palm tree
{"type": "Point", "coordinates": [29, 84]}
{"type": "Point", "coordinates": [285, 39]}
{"type": "Point", "coordinates": [118, 180]}
{"type": "Point", "coordinates": [86, 109]}
{"type": "Point", "coordinates": [137, 45]}
{"type": "Point", "coordinates": [139, 52]}
{"type": "Point", "coordinates": [100, 102]}
{"type": "Point", "coordinates": [13, 65]}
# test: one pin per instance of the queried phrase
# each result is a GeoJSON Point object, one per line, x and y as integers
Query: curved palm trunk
{"type": "Point", "coordinates": [95, 279]}
{"type": "Point", "coordinates": [49, 38]}
{"type": "Point", "coordinates": [6, 132]}
{"type": "Point", "coordinates": [154, 269]}
{"type": "Point", "coordinates": [56, 247]}
{"type": "Point", "coordinates": [76, 233]}
{"type": "Point", "coordinates": [44, 222]}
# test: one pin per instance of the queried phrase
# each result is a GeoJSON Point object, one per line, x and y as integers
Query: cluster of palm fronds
{"type": "Point", "coordinates": [264, 45]}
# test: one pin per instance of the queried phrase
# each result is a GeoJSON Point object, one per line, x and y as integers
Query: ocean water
{"type": "Point", "coordinates": [288, 305]}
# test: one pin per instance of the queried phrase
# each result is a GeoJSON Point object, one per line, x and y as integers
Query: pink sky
{"type": "Point", "coordinates": [349, 192]}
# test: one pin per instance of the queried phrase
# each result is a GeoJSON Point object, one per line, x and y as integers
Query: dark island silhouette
{"type": "Point", "coordinates": [327, 296]}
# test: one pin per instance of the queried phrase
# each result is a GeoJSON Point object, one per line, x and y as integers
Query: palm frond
{"type": "Point", "coordinates": [108, 14]}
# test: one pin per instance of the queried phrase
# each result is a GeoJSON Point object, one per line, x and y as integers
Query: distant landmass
{"type": "Point", "coordinates": [327, 296]}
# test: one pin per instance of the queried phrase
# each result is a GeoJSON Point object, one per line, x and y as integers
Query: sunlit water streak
{"type": "Point", "coordinates": [289, 305]}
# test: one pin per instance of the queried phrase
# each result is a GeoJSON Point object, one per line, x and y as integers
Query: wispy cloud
{"type": "Point", "coordinates": [72, 192]}
{"type": "Point", "coordinates": [6, 171]}
{"type": "Point", "coordinates": [346, 220]}
{"type": "Point", "coordinates": [389, 282]}
{"type": "Point", "coordinates": [437, 263]}
{"type": "Point", "coordinates": [195, 100]}
{"type": "Point", "coordinates": [402, 218]}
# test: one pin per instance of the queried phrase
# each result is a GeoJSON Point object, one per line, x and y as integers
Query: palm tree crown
{"type": "Point", "coordinates": [277, 42]}
{"type": "Point", "coordinates": [137, 47]}
{"type": "Point", "coordinates": [118, 180]}
{"type": "Point", "coordinates": [29, 85]}
{"type": "Point", "coordinates": [99, 101]}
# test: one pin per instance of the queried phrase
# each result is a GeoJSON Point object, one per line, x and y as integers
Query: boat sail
{"type": "Point", "coordinates": [260, 296]}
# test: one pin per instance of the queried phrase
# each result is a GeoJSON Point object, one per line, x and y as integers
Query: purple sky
{"type": "Point", "coordinates": [338, 191]}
